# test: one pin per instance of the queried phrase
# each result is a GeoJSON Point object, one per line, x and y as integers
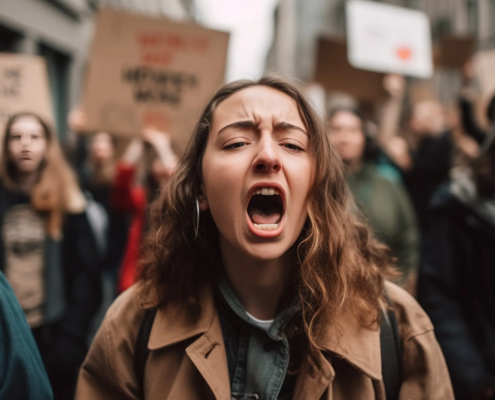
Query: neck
{"type": "Point", "coordinates": [354, 165]}
{"type": "Point", "coordinates": [258, 284]}
{"type": "Point", "coordinates": [26, 180]}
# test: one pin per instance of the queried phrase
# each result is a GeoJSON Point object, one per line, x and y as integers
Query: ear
{"type": "Point", "coordinates": [202, 200]}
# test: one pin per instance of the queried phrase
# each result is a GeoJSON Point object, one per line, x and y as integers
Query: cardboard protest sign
{"type": "Point", "coordinates": [421, 91]}
{"type": "Point", "coordinates": [151, 71]}
{"type": "Point", "coordinates": [387, 38]}
{"type": "Point", "coordinates": [24, 87]}
{"type": "Point", "coordinates": [335, 73]}
{"type": "Point", "coordinates": [454, 51]}
{"type": "Point", "coordinates": [484, 64]}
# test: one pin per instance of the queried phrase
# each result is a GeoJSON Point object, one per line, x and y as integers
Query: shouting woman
{"type": "Point", "coordinates": [257, 282]}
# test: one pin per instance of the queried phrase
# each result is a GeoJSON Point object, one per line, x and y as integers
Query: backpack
{"type": "Point", "coordinates": [390, 344]}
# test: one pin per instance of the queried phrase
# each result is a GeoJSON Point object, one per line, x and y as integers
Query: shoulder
{"type": "Point", "coordinates": [109, 365]}
{"type": "Point", "coordinates": [8, 303]}
{"type": "Point", "coordinates": [25, 377]}
{"type": "Point", "coordinates": [386, 187]}
{"type": "Point", "coordinates": [412, 320]}
{"type": "Point", "coordinates": [125, 314]}
{"type": "Point", "coordinates": [424, 371]}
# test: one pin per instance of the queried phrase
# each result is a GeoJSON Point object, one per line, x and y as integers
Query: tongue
{"type": "Point", "coordinates": [261, 218]}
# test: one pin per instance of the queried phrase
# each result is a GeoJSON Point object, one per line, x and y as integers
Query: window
{"type": "Point", "coordinates": [58, 65]}
{"type": "Point", "coordinates": [9, 40]}
{"type": "Point", "coordinates": [472, 10]}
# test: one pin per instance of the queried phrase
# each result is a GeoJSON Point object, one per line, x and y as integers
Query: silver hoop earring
{"type": "Point", "coordinates": [196, 227]}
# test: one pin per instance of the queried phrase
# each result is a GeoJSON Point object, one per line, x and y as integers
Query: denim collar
{"type": "Point", "coordinates": [276, 329]}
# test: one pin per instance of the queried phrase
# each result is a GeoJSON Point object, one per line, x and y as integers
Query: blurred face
{"type": "Point", "coordinates": [102, 147]}
{"type": "Point", "coordinates": [347, 137]}
{"type": "Point", "coordinates": [257, 172]}
{"type": "Point", "coordinates": [427, 118]}
{"type": "Point", "coordinates": [27, 144]}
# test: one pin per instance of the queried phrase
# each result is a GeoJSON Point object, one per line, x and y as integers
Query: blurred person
{"type": "Point", "coordinates": [131, 193]}
{"type": "Point", "coordinates": [466, 105]}
{"type": "Point", "coordinates": [256, 280]}
{"type": "Point", "coordinates": [95, 161]}
{"type": "Point", "coordinates": [457, 277]}
{"type": "Point", "coordinates": [47, 250]}
{"type": "Point", "coordinates": [22, 374]}
{"type": "Point", "coordinates": [465, 147]}
{"type": "Point", "coordinates": [385, 204]}
{"type": "Point", "coordinates": [424, 152]}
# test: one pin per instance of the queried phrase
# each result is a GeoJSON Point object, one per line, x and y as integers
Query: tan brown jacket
{"type": "Point", "coordinates": [187, 360]}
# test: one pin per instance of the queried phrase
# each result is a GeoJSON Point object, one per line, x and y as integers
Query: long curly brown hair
{"type": "Point", "coordinates": [338, 266]}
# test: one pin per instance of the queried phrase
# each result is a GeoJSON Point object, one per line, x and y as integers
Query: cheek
{"type": "Point", "coordinates": [300, 175]}
{"type": "Point", "coordinates": [223, 187]}
{"type": "Point", "coordinates": [40, 149]}
{"type": "Point", "coordinates": [13, 149]}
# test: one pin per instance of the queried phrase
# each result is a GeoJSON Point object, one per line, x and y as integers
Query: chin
{"type": "Point", "coordinates": [266, 251]}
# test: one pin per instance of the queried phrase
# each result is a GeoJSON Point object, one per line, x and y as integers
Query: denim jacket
{"type": "Point", "coordinates": [257, 359]}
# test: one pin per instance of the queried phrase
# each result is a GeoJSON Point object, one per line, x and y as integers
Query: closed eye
{"type": "Point", "coordinates": [292, 147]}
{"type": "Point", "coordinates": [234, 146]}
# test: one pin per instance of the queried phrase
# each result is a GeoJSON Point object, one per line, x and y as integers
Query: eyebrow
{"type": "Point", "coordinates": [249, 124]}
{"type": "Point", "coordinates": [242, 125]}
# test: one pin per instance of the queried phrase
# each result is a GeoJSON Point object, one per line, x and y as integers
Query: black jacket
{"type": "Point", "coordinates": [456, 287]}
{"type": "Point", "coordinates": [72, 282]}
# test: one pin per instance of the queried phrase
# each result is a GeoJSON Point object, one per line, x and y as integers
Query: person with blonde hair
{"type": "Point", "coordinates": [47, 250]}
{"type": "Point", "coordinates": [257, 281]}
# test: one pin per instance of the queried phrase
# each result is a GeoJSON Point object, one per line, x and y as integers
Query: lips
{"type": "Point", "coordinates": [266, 209]}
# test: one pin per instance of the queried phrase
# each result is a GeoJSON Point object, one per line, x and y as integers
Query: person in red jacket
{"type": "Point", "coordinates": [132, 193]}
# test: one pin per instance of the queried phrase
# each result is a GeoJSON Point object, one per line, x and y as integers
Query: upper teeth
{"type": "Point", "coordinates": [266, 191]}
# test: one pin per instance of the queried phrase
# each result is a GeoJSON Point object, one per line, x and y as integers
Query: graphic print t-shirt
{"type": "Point", "coordinates": [23, 234]}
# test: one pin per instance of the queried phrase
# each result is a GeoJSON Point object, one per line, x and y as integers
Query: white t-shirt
{"type": "Point", "coordinates": [263, 324]}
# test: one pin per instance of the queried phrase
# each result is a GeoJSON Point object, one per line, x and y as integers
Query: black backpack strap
{"type": "Point", "coordinates": [141, 351]}
{"type": "Point", "coordinates": [391, 350]}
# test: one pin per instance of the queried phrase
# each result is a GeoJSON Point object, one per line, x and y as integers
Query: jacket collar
{"type": "Point", "coordinates": [358, 345]}
{"type": "Point", "coordinates": [172, 325]}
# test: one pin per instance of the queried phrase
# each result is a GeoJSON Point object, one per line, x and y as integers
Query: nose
{"type": "Point", "coordinates": [25, 141]}
{"type": "Point", "coordinates": [267, 159]}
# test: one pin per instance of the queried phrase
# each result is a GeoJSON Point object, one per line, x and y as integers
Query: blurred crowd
{"type": "Point", "coordinates": [422, 175]}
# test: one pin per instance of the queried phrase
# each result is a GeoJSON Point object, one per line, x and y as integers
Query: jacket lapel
{"type": "Point", "coordinates": [208, 355]}
{"type": "Point", "coordinates": [172, 326]}
{"type": "Point", "coordinates": [312, 382]}
{"type": "Point", "coordinates": [358, 345]}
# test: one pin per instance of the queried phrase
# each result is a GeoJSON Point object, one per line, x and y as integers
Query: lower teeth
{"type": "Point", "coordinates": [266, 227]}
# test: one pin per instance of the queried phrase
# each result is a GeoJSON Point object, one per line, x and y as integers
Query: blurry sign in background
{"type": "Point", "coordinates": [24, 87]}
{"type": "Point", "coordinates": [454, 51]}
{"type": "Point", "coordinates": [386, 38]}
{"type": "Point", "coordinates": [334, 72]}
{"type": "Point", "coordinates": [151, 71]}
{"type": "Point", "coordinates": [484, 62]}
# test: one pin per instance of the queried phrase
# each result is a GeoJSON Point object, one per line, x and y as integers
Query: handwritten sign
{"type": "Point", "coordinates": [24, 87]}
{"type": "Point", "coordinates": [151, 71]}
{"type": "Point", "coordinates": [387, 38]}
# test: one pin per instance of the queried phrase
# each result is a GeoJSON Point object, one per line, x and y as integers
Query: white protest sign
{"type": "Point", "coordinates": [387, 38]}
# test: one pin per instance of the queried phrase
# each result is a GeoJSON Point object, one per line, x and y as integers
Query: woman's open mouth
{"type": "Point", "coordinates": [266, 209]}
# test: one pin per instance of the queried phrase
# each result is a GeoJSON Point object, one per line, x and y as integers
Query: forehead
{"type": "Point", "coordinates": [26, 123]}
{"type": "Point", "coordinates": [344, 116]}
{"type": "Point", "coordinates": [259, 103]}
